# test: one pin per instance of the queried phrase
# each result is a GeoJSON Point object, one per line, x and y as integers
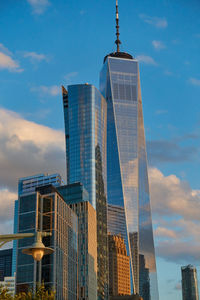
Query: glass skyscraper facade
{"type": "Point", "coordinates": [46, 210]}
{"type": "Point", "coordinates": [127, 177]}
{"type": "Point", "coordinates": [117, 221]}
{"type": "Point", "coordinates": [189, 283]}
{"type": "Point", "coordinates": [85, 113]}
{"type": "Point", "coordinates": [28, 185]}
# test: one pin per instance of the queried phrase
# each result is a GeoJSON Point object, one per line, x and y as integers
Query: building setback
{"type": "Point", "coordinates": [189, 283]}
{"type": "Point", "coordinates": [119, 270]}
{"type": "Point", "coordinates": [85, 114]}
{"type": "Point", "coordinates": [45, 210]}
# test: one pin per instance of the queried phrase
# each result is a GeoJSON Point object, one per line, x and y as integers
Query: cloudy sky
{"type": "Point", "coordinates": [46, 43]}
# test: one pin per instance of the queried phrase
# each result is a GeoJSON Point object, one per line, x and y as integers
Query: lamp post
{"type": "Point", "coordinates": [37, 250]}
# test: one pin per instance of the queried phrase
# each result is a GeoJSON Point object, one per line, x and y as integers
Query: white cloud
{"type": "Point", "coordinates": [7, 199]}
{"type": "Point", "coordinates": [158, 45]}
{"type": "Point", "coordinates": [178, 286]}
{"type": "Point", "coordinates": [27, 148]}
{"type": "Point", "coordinates": [168, 73]}
{"type": "Point", "coordinates": [39, 6]}
{"type": "Point", "coordinates": [7, 62]}
{"type": "Point", "coordinates": [171, 196]}
{"type": "Point", "coordinates": [176, 42]}
{"type": "Point", "coordinates": [175, 207]}
{"type": "Point", "coordinates": [70, 75]}
{"type": "Point", "coordinates": [171, 151]}
{"type": "Point", "coordinates": [146, 59]}
{"type": "Point", "coordinates": [165, 232]}
{"type": "Point", "coordinates": [53, 90]}
{"type": "Point", "coordinates": [82, 12]}
{"type": "Point", "coordinates": [194, 81]}
{"type": "Point", "coordinates": [5, 50]}
{"type": "Point", "coordinates": [155, 21]}
{"type": "Point", "coordinates": [35, 57]}
{"type": "Point", "coordinates": [161, 112]}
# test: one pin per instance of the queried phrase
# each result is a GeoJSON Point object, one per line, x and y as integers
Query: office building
{"type": "Point", "coordinates": [127, 176]}
{"type": "Point", "coordinates": [5, 263]}
{"type": "Point", "coordinates": [85, 113]}
{"type": "Point", "coordinates": [28, 185]}
{"type": "Point", "coordinates": [119, 269]}
{"type": "Point", "coordinates": [45, 210]}
{"type": "Point", "coordinates": [77, 198]}
{"type": "Point", "coordinates": [189, 283]}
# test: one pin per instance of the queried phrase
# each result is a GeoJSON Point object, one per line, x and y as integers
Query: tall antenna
{"type": "Point", "coordinates": [117, 42]}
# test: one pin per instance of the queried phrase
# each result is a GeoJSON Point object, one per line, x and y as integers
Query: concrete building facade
{"type": "Point", "coordinates": [119, 267]}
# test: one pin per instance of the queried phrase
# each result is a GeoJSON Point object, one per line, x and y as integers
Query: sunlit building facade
{"type": "Point", "coordinates": [189, 283]}
{"type": "Point", "coordinates": [127, 177]}
{"type": "Point", "coordinates": [85, 114]}
{"type": "Point", "coordinates": [119, 267]}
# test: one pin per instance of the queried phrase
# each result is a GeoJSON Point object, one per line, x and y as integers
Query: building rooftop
{"type": "Point", "coordinates": [123, 55]}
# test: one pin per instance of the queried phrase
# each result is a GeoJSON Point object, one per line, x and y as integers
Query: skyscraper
{"type": "Point", "coordinates": [127, 176]}
{"type": "Point", "coordinates": [85, 113]}
{"type": "Point", "coordinates": [189, 283]}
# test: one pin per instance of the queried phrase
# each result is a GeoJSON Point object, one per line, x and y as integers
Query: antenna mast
{"type": "Point", "coordinates": [117, 42]}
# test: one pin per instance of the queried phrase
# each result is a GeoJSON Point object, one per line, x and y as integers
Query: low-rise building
{"type": "Point", "coordinates": [9, 284]}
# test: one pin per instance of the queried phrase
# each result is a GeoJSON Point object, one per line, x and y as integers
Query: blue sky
{"type": "Point", "coordinates": [47, 43]}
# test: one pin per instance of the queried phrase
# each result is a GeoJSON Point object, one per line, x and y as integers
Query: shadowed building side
{"type": "Point", "coordinates": [189, 283]}
{"type": "Point", "coordinates": [77, 198]}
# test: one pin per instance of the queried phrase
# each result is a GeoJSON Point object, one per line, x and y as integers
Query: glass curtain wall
{"type": "Point", "coordinates": [127, 178]}
{"type": "Point", "coordinates": [45, 210]}
{"type": "Point", "coordinates": [85, 113]}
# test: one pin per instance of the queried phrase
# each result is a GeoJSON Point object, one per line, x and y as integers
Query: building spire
{"type": "Point", "coordinates": [117, 42]}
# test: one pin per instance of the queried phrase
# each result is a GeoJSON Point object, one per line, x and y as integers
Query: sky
{"type": "Point", "coordinates": [48, 43]}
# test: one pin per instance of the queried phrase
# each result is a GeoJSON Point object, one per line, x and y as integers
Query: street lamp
{"type": "Point", "coordinates": [37, 250]}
